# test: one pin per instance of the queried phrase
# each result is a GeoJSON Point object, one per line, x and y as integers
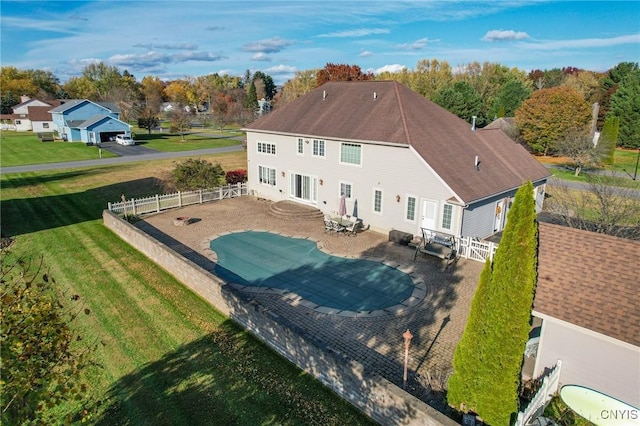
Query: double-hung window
{"type": "Point", "coordinates": [300, 146]}
{"type": "Point", "coordinates": [377, 201]}
{"type": "Point", "coordinates": [267, 175]}
{"type": "Point", "coordinates": [350, 153]}
{"type": "Point", "coordinates": [447, 214]}
{"type": "Point", "coordinates": [411, 208]}
{"type": "Point", "coordinates": [267, 148]}
{"type": "Point", "coordinates": [318, 148]}
{"type": "Point", "coordinates": [345, 189]}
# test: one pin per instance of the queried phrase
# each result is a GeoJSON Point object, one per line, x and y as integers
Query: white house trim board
{"type": "Point", "coordinates": [586, 331]}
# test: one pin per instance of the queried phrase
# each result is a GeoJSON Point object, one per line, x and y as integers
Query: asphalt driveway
{"type": "Point", "coordinates": [123, 151]}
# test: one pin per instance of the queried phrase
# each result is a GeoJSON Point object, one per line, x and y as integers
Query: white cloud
{"type": "Point", "coordinates": [586, 43]}
{"type": "Point", "coordinates": [261, 57]}
{"type": "Point", "coordinates": [504, 35]}
{"type": "Point", "coordinates": [365, 54]}
{"type": "Point", "coordinates": [271, 45]}
{"type": "Point", "coordinates": [390, 68]}
{"type": "Point", "coordinates": [167, 46]}
{"type": "Point", "coordinates": [360, 32]}
{"type": "Point", "coordinates": [416, 45]}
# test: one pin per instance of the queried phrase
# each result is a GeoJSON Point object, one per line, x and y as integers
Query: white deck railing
{"type": "Point", "coordinates": [536, 407]}
{"type": "Point", "coordinates": [157, 203]}
{"type": "Point", "coordinates": [470, 248]}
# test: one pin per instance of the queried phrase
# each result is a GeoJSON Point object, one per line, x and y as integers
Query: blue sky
{"type": "Point", "coordinates": [174, 39]}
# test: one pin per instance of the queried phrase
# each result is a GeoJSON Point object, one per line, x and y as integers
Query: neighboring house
{"type": "Point", "coordinates": [407, 162]}
{"type": "Point", "coordinates": [506, 124]}
{"type": "Point", "coordinates": [588, 301]}
{"type": "Point", "coordinates": [82, 120]}
{"type": "Point", "coordinates": [31, 115]}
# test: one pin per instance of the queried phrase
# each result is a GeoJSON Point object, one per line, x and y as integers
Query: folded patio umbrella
{"type": "Point", "coordinates": [342, 209]}
{"type": "Point", "coordinates": [355, 208]}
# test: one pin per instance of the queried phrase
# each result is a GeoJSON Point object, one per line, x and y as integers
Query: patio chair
{"type": "Point", "coordinates": [352, 229]}
{"type": "Point", "coordinates": [328, 226]}
{"type": "Point", "coordinates": [335, 226]}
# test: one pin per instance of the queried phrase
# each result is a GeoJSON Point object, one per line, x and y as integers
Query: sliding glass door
{"type": "Point", "coordinates": [303, 188]}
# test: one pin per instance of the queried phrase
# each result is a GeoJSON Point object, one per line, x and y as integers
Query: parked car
{"type": "Point", "coordinates": [124, 140]}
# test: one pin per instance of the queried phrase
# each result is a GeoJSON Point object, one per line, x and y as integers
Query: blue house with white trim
{"type": "Point", "coordinates": [82, 120]}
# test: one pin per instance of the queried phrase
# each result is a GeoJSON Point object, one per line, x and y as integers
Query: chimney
{"type": "Point", "coordinates": [24, 98]}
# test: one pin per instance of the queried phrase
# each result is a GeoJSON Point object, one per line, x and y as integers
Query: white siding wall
{"type": "Point", "coordinates": [590, 359]}
{"type": "Point", "coordinates": [397, 171]}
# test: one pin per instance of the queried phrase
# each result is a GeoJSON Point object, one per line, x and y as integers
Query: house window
{"type": "Point", "coordinates": [267, 175]}
{"type": "Point", "coordinates": [18, 122]}
{"type": "Point", "coordinates": [447, 213]}
{"type": "Point", "coordinates": [45, 125]}
{"type": "Point", "coordinates": [318, 148]}
{"type": "Point", "coordinates": [267, 148]}
{"type": "Point", "coordinates": [345, 189]}
{"type": "Point", "coordinates": [300, 146]}
{"type": "Point", "coordinates": [411, 208]}
{"type": "Point", "coordinates": [351, 153]}
{"type": "Point", "coordinates": [377, 200]}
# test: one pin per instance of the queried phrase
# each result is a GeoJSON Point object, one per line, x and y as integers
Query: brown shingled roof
{"type": "Point", "coordinates": [388, 112]}
{"type": "Point", "coordinates": [40, 113]}
{"type": "Point", "coordinates": [590, 280]}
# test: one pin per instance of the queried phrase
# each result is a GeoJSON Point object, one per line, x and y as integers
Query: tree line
{"type": "Point", "coordinates": [549, 106]}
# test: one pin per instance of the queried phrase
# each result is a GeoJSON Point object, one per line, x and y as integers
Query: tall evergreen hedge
{"type": "Point", "coordinates": [608, 140]}
{"type": "Point", "coordinates": [489, 356]}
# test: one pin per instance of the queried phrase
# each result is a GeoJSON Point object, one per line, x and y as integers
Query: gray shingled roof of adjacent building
{"type": "Point", "coordinates": [590, 280]}
{"type": "Point", "coordinates": [386, 112]}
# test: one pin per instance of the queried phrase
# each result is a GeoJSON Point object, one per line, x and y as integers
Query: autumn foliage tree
{"type": "Point", "coordinates": [550, 115]}
{"type": "Point", "coordinates": [40, 362]}
{"type": "Point", "coordinates": [193, 174]}
{"type": "Point", "coordinates": [341, 72]}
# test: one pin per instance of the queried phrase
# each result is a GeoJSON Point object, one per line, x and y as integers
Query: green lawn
{"type": "Point", "coordinates": [164, 355]}
{"type": "Point", "coordinates": [20, 148]}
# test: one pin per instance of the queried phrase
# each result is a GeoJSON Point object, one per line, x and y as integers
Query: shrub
{"type": "Point", "coordinates": [195, 174]}
{"type": "Point", "coordinates": [236, 176]}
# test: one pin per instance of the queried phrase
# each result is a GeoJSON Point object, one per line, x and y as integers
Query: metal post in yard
{"type": "Point", "coordinates": [407, 341]}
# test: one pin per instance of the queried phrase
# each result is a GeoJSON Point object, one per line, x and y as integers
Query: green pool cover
{"type": "Point", "coordinates": [263, 259]}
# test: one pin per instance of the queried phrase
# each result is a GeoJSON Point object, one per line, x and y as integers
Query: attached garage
{"type": "Point", "coordinates": [100, 128]}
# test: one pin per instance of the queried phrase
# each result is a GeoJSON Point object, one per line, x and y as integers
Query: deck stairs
{"type": "Point", "coordinates": [292, 210]}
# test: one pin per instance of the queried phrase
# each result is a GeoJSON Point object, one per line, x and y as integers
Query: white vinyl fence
{"type": "Point", "coordinates": [536, 407]}
{"type": "Point", "coordinates": [157, 203]}
{"type": "Point", "coordinates": [470, 248]}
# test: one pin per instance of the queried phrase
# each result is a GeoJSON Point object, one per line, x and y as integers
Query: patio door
{"type": "Point", "coordinates": [304, 188]}
{"type": "Point", "coordinates": [428, 218]}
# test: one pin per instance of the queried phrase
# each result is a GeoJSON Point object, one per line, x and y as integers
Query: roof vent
{"type": "Point", "coordinates": [477, 163]}
{"type": "Point", "coordinates": [473, 126]}
{"type": "Point", "coordinates": [375, 96]}
{"type": "Point", "coordinates": [324, 95]}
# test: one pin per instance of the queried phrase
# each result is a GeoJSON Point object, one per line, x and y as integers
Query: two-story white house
{"type": "Point", "coordinates": [406, 162]}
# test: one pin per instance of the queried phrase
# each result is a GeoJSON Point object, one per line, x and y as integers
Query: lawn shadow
{"type": "Point", "coordinates": [20, 216]}
{"type": "Point", "coordinates": [226, 378]}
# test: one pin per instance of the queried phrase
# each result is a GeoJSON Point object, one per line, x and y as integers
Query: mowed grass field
{"type": "Point", "coordinates": [163, 355]}
{"type": "Point", "coordinates": [21, 148]}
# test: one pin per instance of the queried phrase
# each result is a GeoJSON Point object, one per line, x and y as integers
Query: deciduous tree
{"type": "Point", "coordinates": [341, 72]}
{"type": "Point", "coordinates": [40, 362]}
{"type": "Point", "coordinates": [549, 115]}
{"type": "Point", "coordinates": [193, 174]}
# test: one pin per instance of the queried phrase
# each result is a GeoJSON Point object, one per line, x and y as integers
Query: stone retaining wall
{"type": "Point", "coordinates": [381, 400]}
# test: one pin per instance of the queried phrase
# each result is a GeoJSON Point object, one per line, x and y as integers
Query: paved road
{"type": "Point", "coordinates": [118, 160]}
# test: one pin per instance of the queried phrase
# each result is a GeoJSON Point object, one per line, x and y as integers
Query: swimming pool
{"type": "Point", "coordinates": [267, 260]}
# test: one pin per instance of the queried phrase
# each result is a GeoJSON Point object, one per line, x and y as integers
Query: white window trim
{"type": "Point", "coordinates": [344, 182]}
{"type": "Point", "coordinates": [350, 164]}
{"type": "Point", "coordinates": [275, 174]}
{"type": "Point", "coordinates": [300, 143]}
{"type": "Point", "coordinates": [324, 145]}
{"type": "Point", "coordinates": [451, 222]}
{"type": "Point", "coordinates": [415, 208]}
{"type": "Point", "coordinates": [271, 144]}
{"type": "Point", "coordinates": [373, 201]}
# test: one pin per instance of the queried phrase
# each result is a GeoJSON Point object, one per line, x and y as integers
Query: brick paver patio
{"type": "Point", "coordinates": [376, 342]}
